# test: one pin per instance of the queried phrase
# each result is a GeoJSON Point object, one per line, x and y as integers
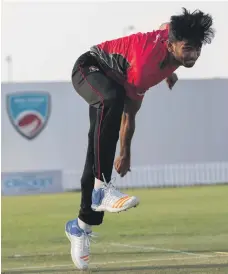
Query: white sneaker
{"type": "Point", "coordinates": [80, 244]}
{"type": "Point", "coordinates": [108, 198]}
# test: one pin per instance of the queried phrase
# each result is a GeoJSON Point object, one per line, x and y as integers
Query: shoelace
{"type": "Point", "coordinates": [110, 185]}
{"type": "Point", "coordinates": [88, 237]}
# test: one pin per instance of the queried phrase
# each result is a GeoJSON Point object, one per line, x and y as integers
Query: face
{"type": "Point", "coordinates": [185, 53]}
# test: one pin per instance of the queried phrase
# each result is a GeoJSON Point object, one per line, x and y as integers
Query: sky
{"type": "Point", "coordinates": [45, 39]}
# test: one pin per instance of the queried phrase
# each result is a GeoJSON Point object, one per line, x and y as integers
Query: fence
{"type": "Point", "coordinates": [162, 176]}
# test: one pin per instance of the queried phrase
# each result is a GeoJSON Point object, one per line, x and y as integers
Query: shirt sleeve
{"type": "Point", "coordinates": [141, 62]}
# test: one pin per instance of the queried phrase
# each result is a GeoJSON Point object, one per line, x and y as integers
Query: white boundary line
{"type": "Point", "coordinates": [196, 256]}
{"type": "Point", "coordinates": [158, 248]}
{"type": "Point", "coordinates": [222, 253]}
{"type": "Point", "coordinates": [117, 244]}
{"type": "Point", "coordinates": [109, 262]}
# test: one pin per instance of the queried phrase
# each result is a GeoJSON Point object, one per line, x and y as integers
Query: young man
{"type": "Point", "coordinates": [113, 78]}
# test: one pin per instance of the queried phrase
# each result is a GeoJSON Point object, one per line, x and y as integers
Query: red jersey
{"type": "Point", "coordinates": [135, 61]}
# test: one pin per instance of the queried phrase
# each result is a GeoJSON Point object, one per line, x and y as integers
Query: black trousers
{"type": "Point", "coordinates": [106, 102]}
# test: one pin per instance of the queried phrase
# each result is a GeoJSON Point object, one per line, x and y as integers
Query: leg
{"type": "Point", "coordinates": [106, 99]}
{"type": "Point", "coordinates": [109, 105]}
{"type": "Point", "coordinates": [86, 213]}
{"type": "Point", "coordinates": [107, 134]}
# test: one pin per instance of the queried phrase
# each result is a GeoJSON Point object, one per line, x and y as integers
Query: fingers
{"type": "Point", "coordinates": [117, 167]}
{"type": "Point", "coordinates": [121, 167]}
{"type": "Point", "coordinates": [123, 173]}
{"type": "Point", "coordinates": [169, 83]}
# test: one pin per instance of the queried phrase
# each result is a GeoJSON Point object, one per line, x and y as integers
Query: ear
{"type": "Point", "coordinates": [170, 46]}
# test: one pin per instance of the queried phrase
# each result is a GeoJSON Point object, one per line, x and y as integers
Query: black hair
{"type": "Point", "coordinates": [195, 28]}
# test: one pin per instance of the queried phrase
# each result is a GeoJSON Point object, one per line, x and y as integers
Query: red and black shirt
{"type": "Point", "coordinates": [135, 61]}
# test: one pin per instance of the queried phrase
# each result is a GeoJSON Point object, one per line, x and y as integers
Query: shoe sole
{"type": "Point", "coordinates": [100, 208]}
{"type": "Point", "coordinates": [71, 252]}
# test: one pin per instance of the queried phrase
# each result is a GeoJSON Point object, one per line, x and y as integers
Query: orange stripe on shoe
{"type": "Point", "coordinates": [123, 202]}
{"type": "Point", "coordinates": [118, 201]}
{"type": "Point", "coordinates": [83, 257]}
{"type": "Point", "coordinates": [120, 204]}
{"type": "Point", "coordinates": [116, 205]}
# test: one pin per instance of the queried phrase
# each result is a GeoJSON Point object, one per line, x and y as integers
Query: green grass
{"type": "Point", "coordinates": [149, 239]}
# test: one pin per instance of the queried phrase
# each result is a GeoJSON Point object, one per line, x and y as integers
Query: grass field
{"type": "Point", "coordinates": [176, 230]}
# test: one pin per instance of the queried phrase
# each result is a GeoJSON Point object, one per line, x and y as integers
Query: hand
{"type": "Point", "coordinates": [171, 80]}
{"type": "Point", "coordinates": [122, 165]}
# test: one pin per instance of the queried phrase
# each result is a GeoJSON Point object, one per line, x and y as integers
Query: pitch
{"type": "Point", "coordinates": [173, 230]}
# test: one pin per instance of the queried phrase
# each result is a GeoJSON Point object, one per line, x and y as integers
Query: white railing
{"type": "Point", "coordinates": [162, 176]}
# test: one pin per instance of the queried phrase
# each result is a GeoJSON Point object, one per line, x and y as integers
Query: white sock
{"type": "Point", "coordinates": [98, 184]}
{"type": "Point", "coordinates": [84, 226]}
